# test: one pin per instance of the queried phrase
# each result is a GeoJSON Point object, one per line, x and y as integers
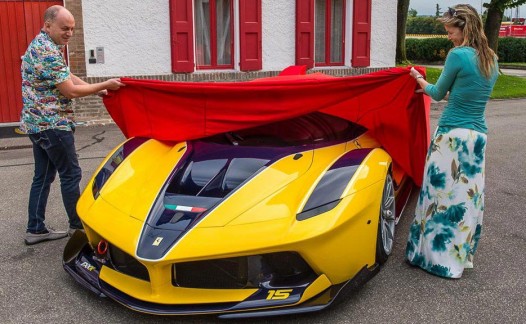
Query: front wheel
{"type": "Point", "coordinates": [386, 223]}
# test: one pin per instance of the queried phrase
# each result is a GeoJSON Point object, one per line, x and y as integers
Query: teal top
{"type": "Point", "coordinates": [469, 90]}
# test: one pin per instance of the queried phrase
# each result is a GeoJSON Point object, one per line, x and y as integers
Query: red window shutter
{"type": "Point", "coordinates": [250, 35]}
{"type": "Point", "coordinates": [182, 35]}
{"type": "Point", "coordinates": [361, 40]}
{"type": "Point", "coordinates": [305, 33]}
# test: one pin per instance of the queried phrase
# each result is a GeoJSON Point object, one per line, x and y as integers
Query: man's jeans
{"type": "Point", "coordinates": [54, 150]}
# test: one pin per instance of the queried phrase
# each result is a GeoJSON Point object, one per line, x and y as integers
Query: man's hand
{"type": "Point", "coordinates": [113, 84]}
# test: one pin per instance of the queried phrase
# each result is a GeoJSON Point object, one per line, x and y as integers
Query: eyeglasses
{"type": "Point", "coordinates": [452, 12]}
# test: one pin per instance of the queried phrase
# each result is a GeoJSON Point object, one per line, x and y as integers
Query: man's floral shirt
{"type": "Point", "coordinates": [43, 67]}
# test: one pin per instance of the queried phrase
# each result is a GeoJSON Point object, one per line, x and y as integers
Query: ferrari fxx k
{"type": "Point", "coordinates": [270, 220]}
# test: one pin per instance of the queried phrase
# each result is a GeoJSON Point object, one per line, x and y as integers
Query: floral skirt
{"type": "Point", "coordinates": [444, 235]}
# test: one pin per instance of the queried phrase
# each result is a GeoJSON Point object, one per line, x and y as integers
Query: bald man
{"type": "Point", "coordinates": [47, 89]}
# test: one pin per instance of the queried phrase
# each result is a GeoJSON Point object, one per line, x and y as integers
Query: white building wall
{"type": "Point", "coordinates": [136, 35]}
{"type": "Point", "coordinates": [383, 33]}
{"type": "Point", "coordinates": [279, 40]}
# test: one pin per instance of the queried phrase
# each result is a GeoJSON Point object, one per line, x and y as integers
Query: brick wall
{"type": "Point", "coordinates": [77, 61]}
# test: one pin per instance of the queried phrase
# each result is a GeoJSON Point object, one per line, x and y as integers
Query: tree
{"type": "Point", "coordinates": [412, 13]}
{"type": "Point", "coordinates": [495, 14]}
{"type": "Point", "coordinates": [402, 10]}
{"type": "Point", "coordinates": [438, 11]}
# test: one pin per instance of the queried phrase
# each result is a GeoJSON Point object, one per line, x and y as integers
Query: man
{"type": "Point", "coordinates": [47, 89]}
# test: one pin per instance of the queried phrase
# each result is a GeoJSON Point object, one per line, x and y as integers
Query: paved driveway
{"type": "Point", "coordinates": [35, 289]}
{"type": "Point", "coordinates": [515, 72]}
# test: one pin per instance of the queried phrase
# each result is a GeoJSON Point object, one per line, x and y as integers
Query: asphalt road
{"type": "Point", "coordinates": [35, 289]}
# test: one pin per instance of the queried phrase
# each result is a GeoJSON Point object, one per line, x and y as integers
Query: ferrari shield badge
{"type": "Point", "coordinates": [157, 241]}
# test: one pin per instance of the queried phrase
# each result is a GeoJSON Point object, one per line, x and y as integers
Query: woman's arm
{"type": "Point", "coordinates": [440, 90]}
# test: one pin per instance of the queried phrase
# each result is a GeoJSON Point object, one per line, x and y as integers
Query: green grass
{"type": "Point", "coordinates": [507, 86]}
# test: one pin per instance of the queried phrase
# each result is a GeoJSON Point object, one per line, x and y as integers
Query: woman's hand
{"type": "Point", "coordinates": [415, 74]}
{"type": "Point", "coordinates": [420, 80]}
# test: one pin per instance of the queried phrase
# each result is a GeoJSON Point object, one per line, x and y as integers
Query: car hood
{"type": "Point", "coordinates": [170, 188]}
{"type": "Point", "coordinates": [154, 171]}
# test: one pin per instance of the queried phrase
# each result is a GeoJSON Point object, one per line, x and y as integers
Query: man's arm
{"type": "Point", "coordinates": [76, 80]}
{"type": "Point", "coordinates": [74, 87]}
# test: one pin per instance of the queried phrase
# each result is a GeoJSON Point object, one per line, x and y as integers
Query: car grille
{"type": "Point", "coordinates": [126, 264]}
{"type": "Point", "coordinates": [224, 273]}
{"type": "Point", "coordinates": [277, 269]}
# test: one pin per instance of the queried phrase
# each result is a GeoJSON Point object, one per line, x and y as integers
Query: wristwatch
{"type": "Point", "coordinates": [419, 77]}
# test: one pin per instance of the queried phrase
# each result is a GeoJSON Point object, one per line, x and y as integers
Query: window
{"type": "Point", "coordinates": [212, 22]}
{"type": "Point", "coordinates": [320, 32]}
{"type": "Point", "coordinates": [213, 34]}
{"type": "Point", "coordinates": [329, 25]}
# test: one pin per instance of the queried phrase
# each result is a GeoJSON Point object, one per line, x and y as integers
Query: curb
{"type": "Point", "coordinates": [11, 140]}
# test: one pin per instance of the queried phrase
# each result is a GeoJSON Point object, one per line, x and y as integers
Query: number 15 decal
{"type": "Point", "coordinates": [279, 294]}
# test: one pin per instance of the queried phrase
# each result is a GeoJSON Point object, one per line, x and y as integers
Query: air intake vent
{"type": "Point", "coordinates": [276, 269]}
{"type": "Point", "coordinates": [126, 264]}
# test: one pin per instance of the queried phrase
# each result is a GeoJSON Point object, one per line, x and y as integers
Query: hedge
{"type": "Point", "coordinates": [432, 50]}
{"type": "Point", "coordinates": [424, 25]}
{"type": "Point", "coordinates": [427, 49]}
{"type": "Point", "coordinates": [512, 50]}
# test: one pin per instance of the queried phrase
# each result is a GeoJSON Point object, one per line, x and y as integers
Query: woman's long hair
{"type": "Point", "coordinates": [466, 18]}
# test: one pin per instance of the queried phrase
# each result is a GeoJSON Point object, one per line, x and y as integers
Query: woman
{"type": "Point", "coordinates": [448, 219]}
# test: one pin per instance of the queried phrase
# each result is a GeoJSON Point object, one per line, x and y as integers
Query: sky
{"type": "Point", "coordinates": [428, 7]}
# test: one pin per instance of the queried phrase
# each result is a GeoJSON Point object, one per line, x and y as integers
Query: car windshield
{"type": "Point", "coordinates": [313, 128]}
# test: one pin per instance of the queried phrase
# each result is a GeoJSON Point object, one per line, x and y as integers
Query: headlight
{"type": "Point", "coordinates": [328, 191]}
{"type": "Point", "coordinates": [113, 162]}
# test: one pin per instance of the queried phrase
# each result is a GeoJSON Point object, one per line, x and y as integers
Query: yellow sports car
{"type": "Point", "coordinates": [270, 220]}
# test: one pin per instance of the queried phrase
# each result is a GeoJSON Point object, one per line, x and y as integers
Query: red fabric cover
{"type": "Point", "coordinates": [294, 70]}
{"type": "Point", "coordinates": [385, 102]}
